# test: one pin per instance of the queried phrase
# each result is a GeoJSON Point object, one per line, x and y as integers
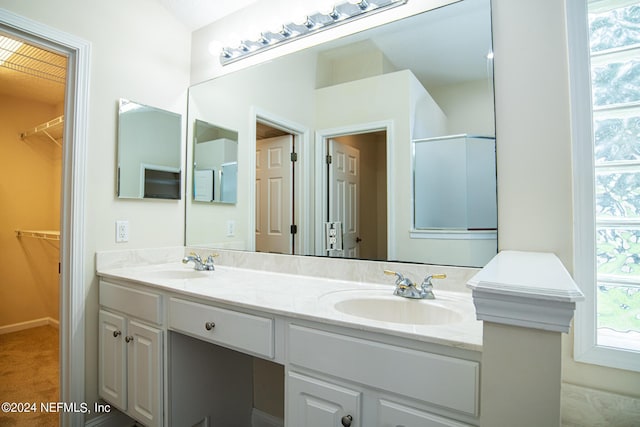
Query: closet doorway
{"type": "Point", "coordinates": [32, 99]}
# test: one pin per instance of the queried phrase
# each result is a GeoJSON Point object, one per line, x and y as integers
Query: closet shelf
{"type": "Point", "coordinates": [39, 234]}
{"type": "Point", "coordinates": [51, 129]}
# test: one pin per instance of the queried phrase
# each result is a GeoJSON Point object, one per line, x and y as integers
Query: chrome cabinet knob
{"type": "Point", "coordinates": [116, 334]}
{"type": "Point", "coordinates": [346, 420]}
{"type": "Point", "coordinates": [128, 338]}
{"type": "Point", "coordinates": [209, 325]}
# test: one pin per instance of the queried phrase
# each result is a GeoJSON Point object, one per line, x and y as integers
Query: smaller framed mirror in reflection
{"type": "Point", "coordinates": [149, 152]}
{"type": "Point", "coordinates": [215, 164]}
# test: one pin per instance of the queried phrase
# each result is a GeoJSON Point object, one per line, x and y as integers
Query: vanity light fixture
{"type": "Point", "coordinates": [315, 22]}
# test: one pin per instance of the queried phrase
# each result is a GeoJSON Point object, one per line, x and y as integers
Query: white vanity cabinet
{"type": "Point", "coordinates": [316, 403]}
{"type": "Point", "coordinates": [158, 341]}
{"type": "Point", "coordinates": [336, 374]}
{"type": "Point", "coordinates": [130, 359]}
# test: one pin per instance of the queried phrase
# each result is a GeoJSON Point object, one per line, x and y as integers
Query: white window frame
{"type": "Point", "coordinates": [586, 348]}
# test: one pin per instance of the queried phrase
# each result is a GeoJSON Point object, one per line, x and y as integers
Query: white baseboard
{"type": "Point", "coordinates": [29, 324]}
{"type": "Point", "coordinates": [262, 419]}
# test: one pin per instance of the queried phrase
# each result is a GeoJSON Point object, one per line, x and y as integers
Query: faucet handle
{"type": "Point", "coordinates": [399, 277]}
{"type": "Point", "coordinates": [401, 281]}
{"type": "Point", "coordinates": [208, 264]}
{"type": "Point", "coordinates": [195, 255]}
{"type": "Point", "coordinates": [426, 283]}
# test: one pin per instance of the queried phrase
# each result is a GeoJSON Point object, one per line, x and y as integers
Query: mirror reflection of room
{"type": "Point", "coordinates": [426, 76]}
{"type": "Point", "coordinates": [357, 193]}
{"type": "Point", "coordinates": [149, 152]}
{"type": "Point", "coordinates": [275, 198]}
{"type": "Point", "coordinates": [215, 163]}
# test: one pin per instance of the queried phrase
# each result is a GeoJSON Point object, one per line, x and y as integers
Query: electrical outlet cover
{"type": "Point", "coordinates": [122, 231]}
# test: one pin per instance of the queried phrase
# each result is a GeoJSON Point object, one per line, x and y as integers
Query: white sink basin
{"type": "Point", "coordinates": [383, 306]}
{"type": "Point", "coordinates": [399, 310]}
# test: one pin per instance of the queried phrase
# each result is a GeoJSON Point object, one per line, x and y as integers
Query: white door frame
{"type": "Point", "coordinates": [301, 138]}
{"type": "Point", "coordinates": [72, 227]}
{"type": "Point", "coordinates": [322, 135]}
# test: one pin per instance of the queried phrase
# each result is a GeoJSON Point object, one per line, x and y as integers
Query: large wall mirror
{"type": "Point", "coordinates": [326, 142]}
{"type": "Point", "coordinates": [149, 152]}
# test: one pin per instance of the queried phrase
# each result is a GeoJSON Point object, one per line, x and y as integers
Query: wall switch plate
{"type": "Point", "coordinates": [122, 231]}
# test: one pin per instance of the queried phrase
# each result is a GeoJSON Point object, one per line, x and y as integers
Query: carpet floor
{"type": "Point", "coordinates": [29, 373]}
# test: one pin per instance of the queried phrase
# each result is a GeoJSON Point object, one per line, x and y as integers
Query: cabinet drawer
{"type": "Point", "coordinates": [393, 414]}
{"type": "Point", "coordinates": [241, 331]}
{"type": "Point", "coordinates": [143, 305]}
{"type": "Point", "coordinates": [439, 380]}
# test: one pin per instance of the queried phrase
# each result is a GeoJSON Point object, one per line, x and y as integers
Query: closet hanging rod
{"type": "Point", "coordinates": [39, 234]}
{"type": "Point", "coordinates": [45, 129]}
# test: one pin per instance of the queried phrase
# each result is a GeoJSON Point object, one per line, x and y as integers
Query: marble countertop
{"type": "Point", "coordinates": [304, 297]}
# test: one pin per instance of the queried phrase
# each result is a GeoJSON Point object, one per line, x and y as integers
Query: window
{"type": "Point", "coordinates": [614, 35]}
{"type": "Point", "coordinates": [607, 181]}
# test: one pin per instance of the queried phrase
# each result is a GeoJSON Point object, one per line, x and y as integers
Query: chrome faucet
{"type": "Point", "coordinates": [407, 289]}
{"type": "Point", "coordinates": [198, 264]}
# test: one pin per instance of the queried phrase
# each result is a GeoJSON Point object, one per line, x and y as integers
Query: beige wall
{"type": "Point", "coordinates": [534, 151]}
{"type": "Point", "coordinates": [468, 107]}
{"type": "Point", "coordinates": [30, 199]}
{"type": "Point", "coordinates": [138, 52]}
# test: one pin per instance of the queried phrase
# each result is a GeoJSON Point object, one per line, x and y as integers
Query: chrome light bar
{"type": "Point", "coordinates": [340, 14]}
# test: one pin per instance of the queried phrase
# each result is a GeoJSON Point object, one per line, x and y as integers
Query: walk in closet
{"type": "Point", "coordinates": [32, 89]}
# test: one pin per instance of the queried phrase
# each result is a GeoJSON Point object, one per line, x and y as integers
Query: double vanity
{"type": "Point", "coordinates": [180, 346]}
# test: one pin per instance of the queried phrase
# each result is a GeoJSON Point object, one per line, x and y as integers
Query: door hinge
{"type": "Point", "coordinates": [294, 157]}
{"type": "Point", "coordinates": [294, 229]}
{"type": "Point", "coordinates": [329, 159]}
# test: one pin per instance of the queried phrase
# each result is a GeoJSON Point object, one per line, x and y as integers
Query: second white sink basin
{"type": "Point", "coordinates": [383, 306]}
{"type": "Point", "coordinates": [400, 310]}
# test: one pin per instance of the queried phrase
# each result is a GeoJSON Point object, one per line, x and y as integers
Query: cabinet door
{"type": "Point", "coordinates": [392, 414]}
{"type": "Point", "coordinates": [315, 403]}
{"type": "Point", "coordinates": [145, 385]}
{"type": "Point", "coordinates": [111, 359]}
